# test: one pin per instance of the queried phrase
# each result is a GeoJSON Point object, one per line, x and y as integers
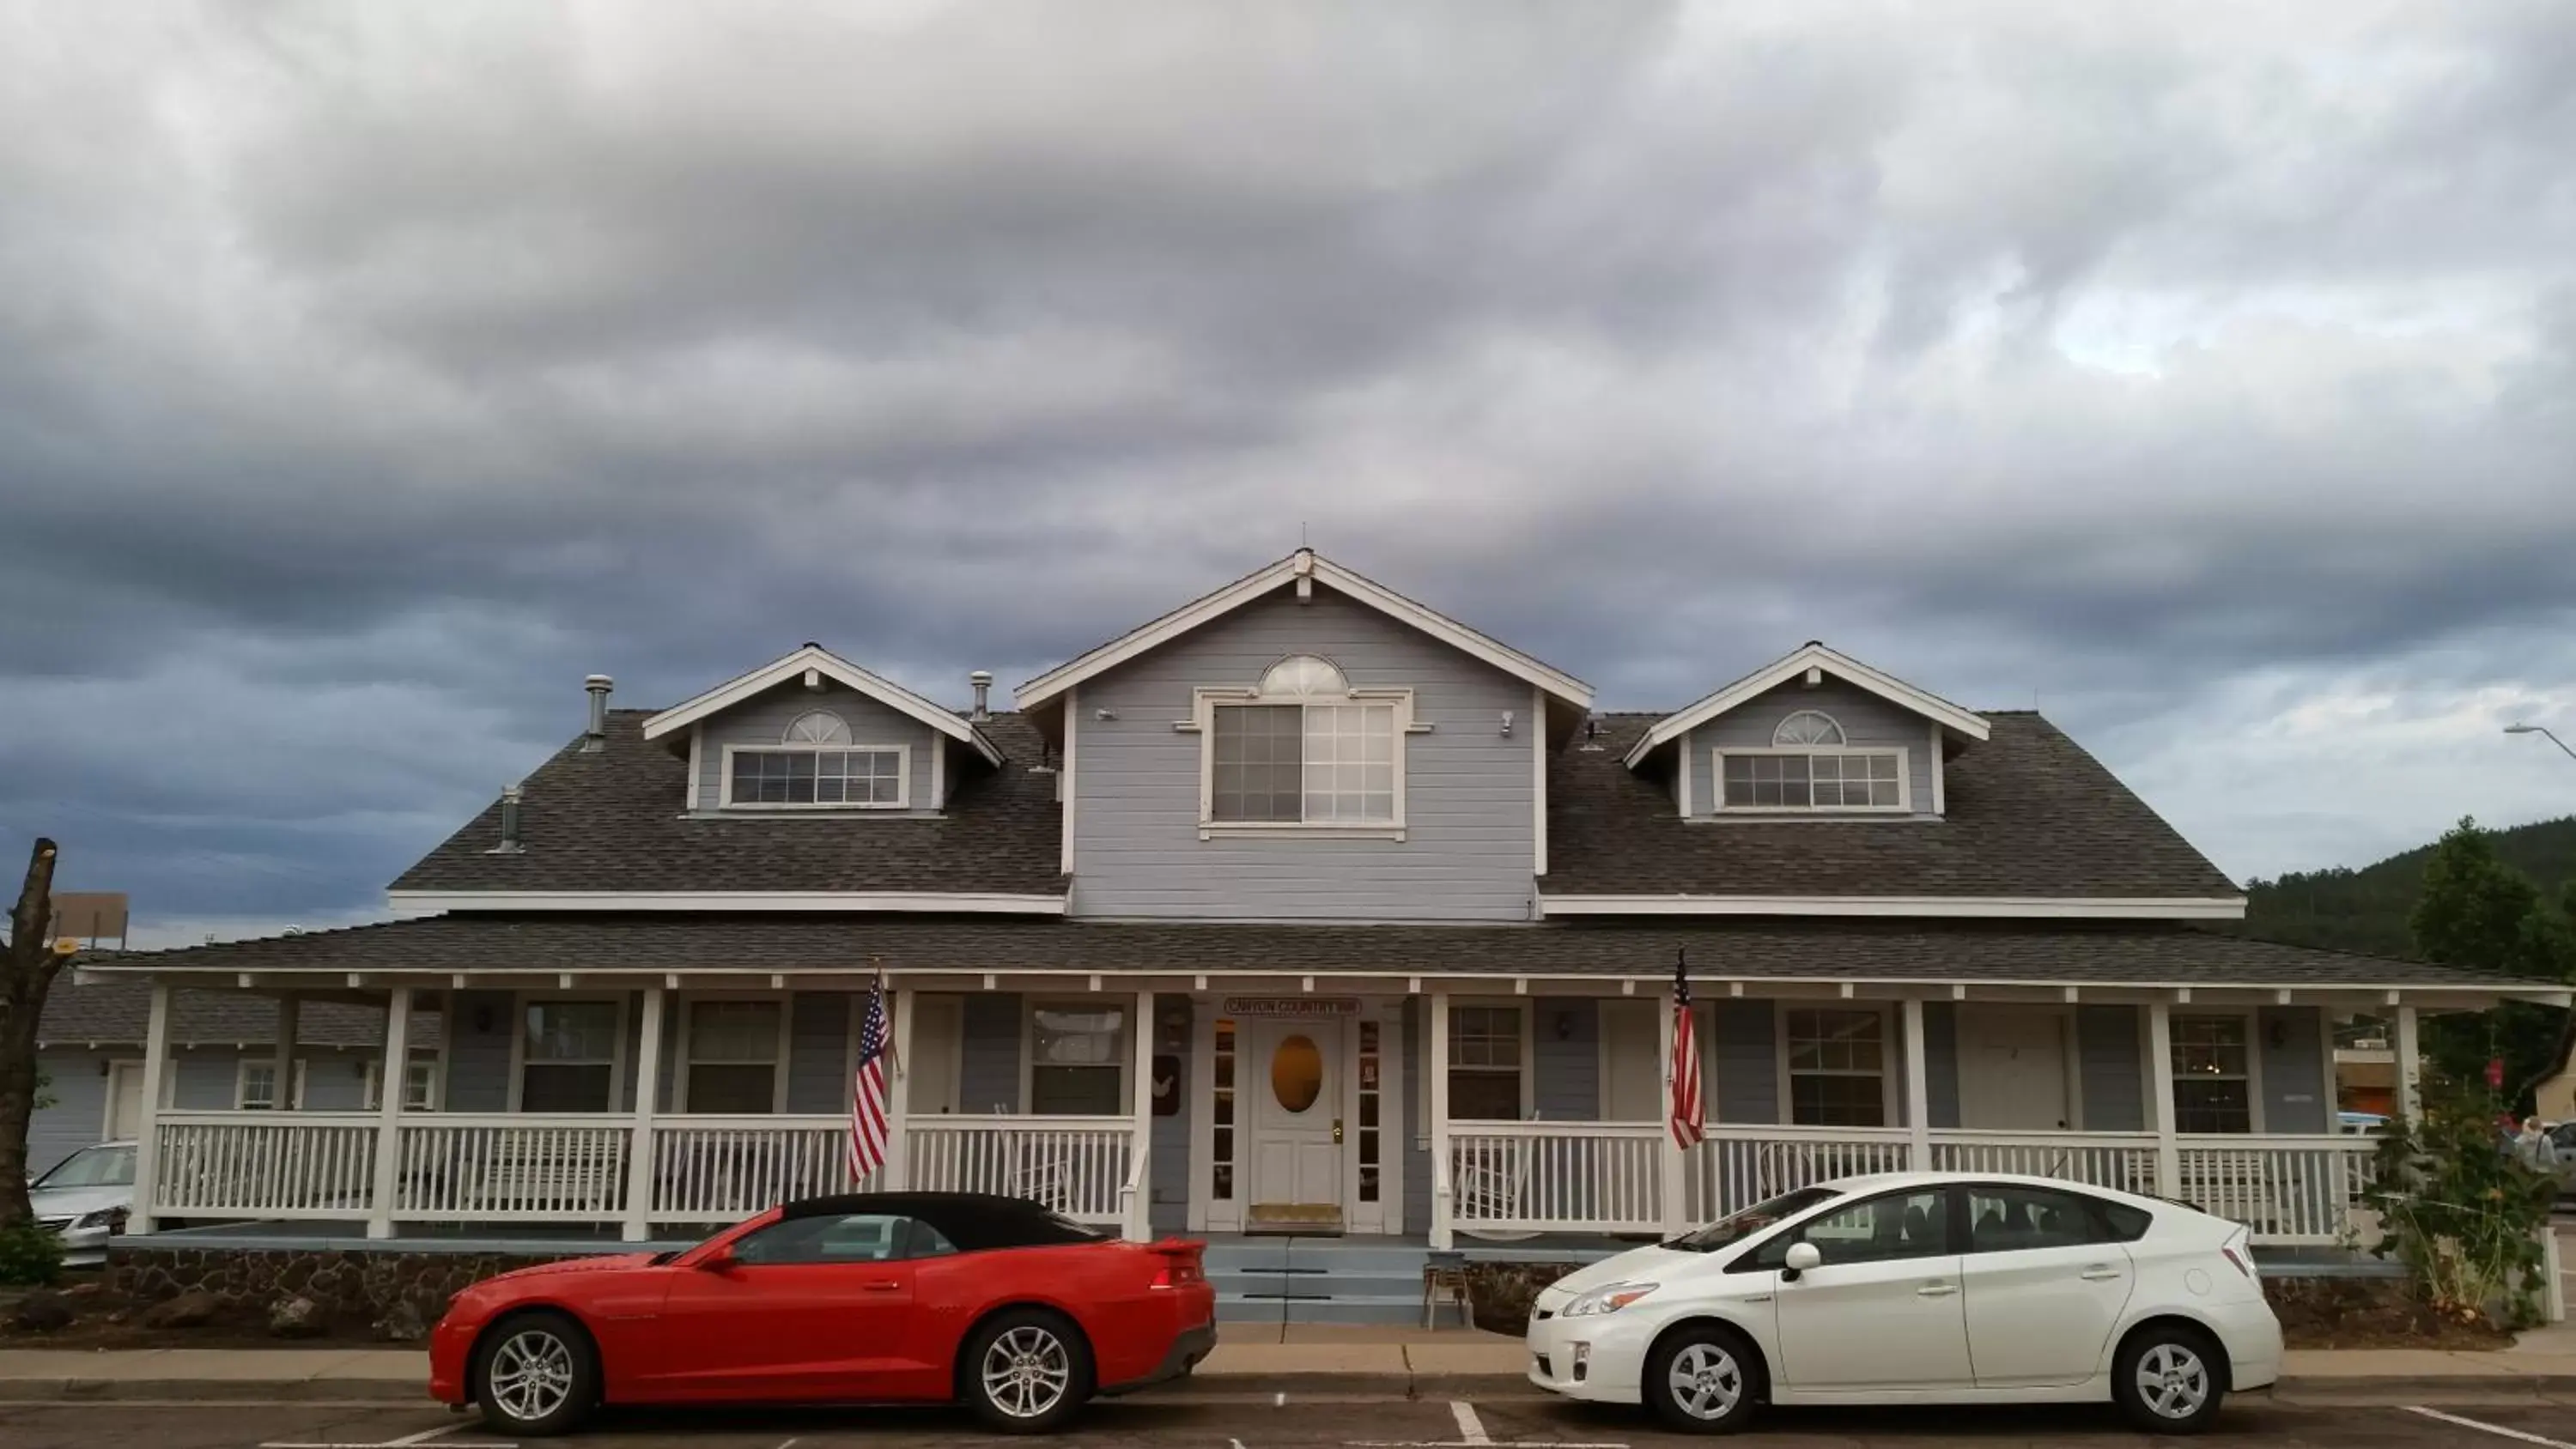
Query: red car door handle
{"type": "Point", "coordinates": [883, 1287]}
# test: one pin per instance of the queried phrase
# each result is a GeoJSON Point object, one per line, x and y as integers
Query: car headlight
{"type": "Point", "coordinates": [107, 1217]}
{"type": "Point", "coordinates": [1609, 1298]}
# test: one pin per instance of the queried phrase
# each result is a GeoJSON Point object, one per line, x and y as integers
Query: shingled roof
{"type": "Point", "coordinates": [613, 820]}
{"type": "Point", "coordinates": [1748, 949]}
{"type": "Point", "coordinates": [117, 1013]}
{"type": "Point", "coordinates": [2027, 813]}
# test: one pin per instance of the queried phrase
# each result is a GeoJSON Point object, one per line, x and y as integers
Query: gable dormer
{"type": "Point", "coordinates": [1815, 734]}
{"type": "Point", "coordinates": [811, 733]}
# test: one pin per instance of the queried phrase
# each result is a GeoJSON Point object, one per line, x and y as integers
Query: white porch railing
{"type": "Point", "coordinates": [1528, 1177]}
{"type": "Point", "coordinates": [512, 1169]}
{"type": "Point", "coordinates": [2287, 1189]}
{"type": "Point", "coordinates": [241, 1164]}
{"type": "Point", "coordinates": [724, 1169]}
{"type": "Point", "coordinates": [1076, 1165]}
{"type": "Point", "coordinates": [2125, 1161]}
{"type": "Point", "coordinates": [1740, 1166]}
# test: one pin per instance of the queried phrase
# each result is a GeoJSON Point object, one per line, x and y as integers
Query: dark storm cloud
{"type": "Point", "coordinates": [368, 374]}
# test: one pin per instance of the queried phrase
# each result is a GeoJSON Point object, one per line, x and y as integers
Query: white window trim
{"type": "Point", "coordinates": [902, 775]}
{"type": "Point", "coordinates": [1125, 1006]}
{"type": "Point", "coordinates": [1719, 754]}
{"type": "Point", "coordinates": [1891, 1066]}
{"type": "Point", "coordinates": [1207, 701]}
{"type": "Point", "coordinates": [620, 1094]}
{"type": "Point", "coordinates": [1529, 1058]}
{"type": "Point", "coordinates": [1806, 713]}
{"type": "Point", "coordinates": [420, 1057]}
{"type": "Point", "coordinates": [2252, 1016]}
{"type": "Point", "coordinates": [681, 1061]}
{"type": "Point", "coordinates": [241, 1084]}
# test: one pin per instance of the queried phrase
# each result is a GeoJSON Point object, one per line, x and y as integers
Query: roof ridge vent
{"type": "Point", "coordinates": [982, 679]}
{"type": "Point", "coordinates": [594, 737]}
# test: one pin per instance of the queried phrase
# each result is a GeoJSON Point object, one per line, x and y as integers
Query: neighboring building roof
{"type": "Point", "coordinates": [816, 659]}
{"type": "Point", "coordinates": [116, 1013]}
{"type": "Point", "coordinates": [614, 820]}
{"type": "Point", "coordinates": [2026, 814]}
{"type": "Point", "coordinates": [1304, 568]}
{"type": "Point", "coordinates": [1812, 655]}
{"type": "Point", "coordinates": [2131, 954]}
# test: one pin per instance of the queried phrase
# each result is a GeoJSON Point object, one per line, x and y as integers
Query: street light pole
{"type": "Point", "coordinates": [2542, 731]}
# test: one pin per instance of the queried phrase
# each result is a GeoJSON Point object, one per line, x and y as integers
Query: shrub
{"type": "Point", "coordinates": [2460, 1211]}
{"type": "Point", "coordinates": [30, 1255]}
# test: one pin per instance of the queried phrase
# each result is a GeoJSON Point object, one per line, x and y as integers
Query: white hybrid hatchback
{"type": "Point", "coordinates": [1920, 1288]}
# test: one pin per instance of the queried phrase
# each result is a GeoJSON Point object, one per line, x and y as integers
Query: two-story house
{"type": "Point", "coordinates": [1301, 907]}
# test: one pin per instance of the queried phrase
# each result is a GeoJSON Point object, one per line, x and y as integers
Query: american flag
{"type": "Point", "coordinates": [1689, 1120]}
{"type": "Point", "coordinates": [871, 1130]}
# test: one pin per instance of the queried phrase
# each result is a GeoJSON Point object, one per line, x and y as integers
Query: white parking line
{"type": "Point", "coordinates": [2496, 1429]}
{"type": "Point", "coordinates": [405, 1442]}
{"type": "Point", "coordinates": [1471, 1430]}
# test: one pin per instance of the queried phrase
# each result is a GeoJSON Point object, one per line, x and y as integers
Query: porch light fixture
{"type": "Point", "coordinates": [1507, 724]}
{"type": "Point", "coordinates": [2519, 728]}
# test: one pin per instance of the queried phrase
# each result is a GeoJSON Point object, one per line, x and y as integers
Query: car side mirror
{"type": "Point", "coordinates": [721, 1260]}
{"type": "Point", "coordinates": [1801, 1258]}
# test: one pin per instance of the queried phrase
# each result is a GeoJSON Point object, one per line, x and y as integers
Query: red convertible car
{"type": "Point", "coordinates": [994, 1302]}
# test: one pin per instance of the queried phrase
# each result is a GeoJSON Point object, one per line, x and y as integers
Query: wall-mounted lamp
{"type": "Point", "coordinates": [2279, 1034]}
{"type": "Point", "coordinates": [482, 1021]}
{"type": "Point", "coordinates": [1565, 1026]}
{"type": "Point", "coordinates": [1507, 724]}
{"type": "Point", "coordinates": [1103, 714]}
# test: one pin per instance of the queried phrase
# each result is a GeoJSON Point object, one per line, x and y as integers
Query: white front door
{"type": "Point", "coordinates": [931, 1077]}
{"type": "Point", "coordinates": [1292, 1077]}
{"type": "Point", "coordinates": [1632, 1067]}
{"type": "Point", "coordinates": [124, 1101]}
{"type": "Point", "coordinates": [2012, 1070]}
{"type": "Point", "coordinates": [2046, 1284]}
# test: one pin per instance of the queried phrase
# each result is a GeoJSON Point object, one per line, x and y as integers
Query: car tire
{"type": "Point", "coordinates": [535, 1374]}
{"type": "Point", "coordinates": [1705, 1378]}
{"type": "Point", "coordinates": [2169, 1379]}
{"type": "Point", "coordinates": [1026, 1371]}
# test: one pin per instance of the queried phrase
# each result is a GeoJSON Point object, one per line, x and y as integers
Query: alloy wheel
{"type": "Point", "coordinates": [1026, 1372]}
{"type": "Point", "coordinates": [2172, 1381]}
{"type": "Point", "coordinates": [531, 1374]}
{"type": "Point", "coordinates": [1706, 1381]}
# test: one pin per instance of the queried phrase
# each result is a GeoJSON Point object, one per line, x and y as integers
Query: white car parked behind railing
{"type": "Point", "coordinates": [85, 1198]}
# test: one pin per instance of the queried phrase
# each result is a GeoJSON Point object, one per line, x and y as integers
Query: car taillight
{"type": "Point", "coordinates": [1180, 1265]}
{"type": "Point", "coordinates": [2243, 1261]}
{"type": "Point", "coordinates": [1178, 1275]}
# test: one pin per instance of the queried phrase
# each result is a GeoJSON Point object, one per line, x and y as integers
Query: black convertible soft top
{"type": "Point", "coordinates": [971, 1220]}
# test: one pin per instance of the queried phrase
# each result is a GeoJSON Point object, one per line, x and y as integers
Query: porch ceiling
{"type": "Point", "coordinates": [1986, 960]}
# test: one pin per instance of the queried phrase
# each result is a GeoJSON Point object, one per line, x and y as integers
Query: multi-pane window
{"type": "Point", "coordinates": [2212, 1080]}
{"type": "Point", "coordinates": [1837, 1068]}
{"type": "Point", "coordinates": [733, 1055]}
{"type": "Point", "coordinates": [1077, 1058]}
{"type": "Point", "coordinates": [1221, 1156]}
{"type": "Point", "coordinates": [1326, 759]}
{"type": "Point", "coordinates": [420, 1084]}
{"type": "Point", "coordinates": [1485, 1063]}
{"type": "Point", "coordinates": [785, 776]}
{"type": "Point", "coordinates": [569, 1063]}
{"type": "Point", "coordinates": [255, 1085]}
{"type": "Point", "coordinates": [1836, 780]}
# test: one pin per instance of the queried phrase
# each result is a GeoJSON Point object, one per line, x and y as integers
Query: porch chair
{"type": "Point", "coordinates": [1493, 1185]}
{"type": "Point", "coordinates": [1446, 1273]}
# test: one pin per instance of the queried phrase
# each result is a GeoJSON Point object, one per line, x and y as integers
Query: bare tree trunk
{"type": "Point", "coordinates": [26, 976]}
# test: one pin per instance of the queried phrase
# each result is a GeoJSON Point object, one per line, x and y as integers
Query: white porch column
{"type": "Point", "coordinates": [1674, 1163]}
{"type": "Point", "coordinates": [648, 1091]}
{"type": "Point", "coordinates": [1918, 1088]}
{"type": "Point", "coordinates": [2160, 1098]}
{"type": "Point", "coordinates": [390, 1080]}
{"type": "Point", "coordinates": [289, 1014]}
{"type": "Point", "coordinates": [1435, 1070]}
{"type": "Point", "coordinates": [898, 1160]}
{"type": "Point", "coordinates": [2410, 1057]}
{"type": "Point", "coordinates": [1140, 1203]}
{"type": "Point", "coordinates": [147, 1148]}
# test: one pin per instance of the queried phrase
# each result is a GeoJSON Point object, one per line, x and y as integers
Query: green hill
{"type": "Point", "coordinates": [2365, 910]}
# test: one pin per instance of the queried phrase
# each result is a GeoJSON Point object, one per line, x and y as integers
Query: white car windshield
{"type": "Point", "coordinates": [92, 1167]}
{"type": "Point", "coordinates": [1727, 1232]}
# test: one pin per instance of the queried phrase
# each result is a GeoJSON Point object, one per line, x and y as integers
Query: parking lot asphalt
{"type": "Point", "coordinates": [1500, 1423]}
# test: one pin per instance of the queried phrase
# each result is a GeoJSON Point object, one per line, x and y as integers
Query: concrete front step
{"type": "Point", "coordinates": [1342, 1308]}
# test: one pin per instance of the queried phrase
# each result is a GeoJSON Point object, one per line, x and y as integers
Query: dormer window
{"type": "Point", "coordinates": [1304, 749]}
{"type": "Point", "coordinates": [815, 766]}
{"type": "Point", "coordinates": [1811, 767]}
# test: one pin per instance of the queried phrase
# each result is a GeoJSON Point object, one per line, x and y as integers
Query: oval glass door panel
{"type": "Point", "coordinates": [1297, 1073]}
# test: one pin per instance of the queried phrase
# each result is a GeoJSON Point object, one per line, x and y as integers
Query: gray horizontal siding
{"type": "Point", "coordinates": [818, 1051]}
{"type": "Point", "coordinates": [1867, 721]}
{"type": "Point", "coordinates": [2294, 1068]}
{"type": "Point", "coordinates": [1565, 1052]}
{"type": "Point", "coordinates": [1940, 1066]}
{"type": "Point", "coordinates": [1469, 847]}
{"type": "Point", "coordinates": [77, 1083]}
{"type": "Point", "coordinates": [1743, 1066]}
{"type": "Point", "coordinates": [762, 720]}
{"type": "Point", "coordinates": [1170, 1168]}
{"type": "Point", "coordinates": [988, 1071]}
{"type": "Point", "coordinates": [2110, 1061]}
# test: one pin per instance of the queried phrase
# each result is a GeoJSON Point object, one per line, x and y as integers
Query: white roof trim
{"type": "Point", "coordinates": [832, 666]}
{"type": "Point", "coordinates": [1780, 671]}
{"type": "Point", "coordinates": [972, 902]}
{"type": "Point", "coordinates": [1303, 564]}
{"type": "Point", "coordinates": [2063, 908]}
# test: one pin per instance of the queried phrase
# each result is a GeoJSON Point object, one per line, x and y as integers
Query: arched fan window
{"type": "Point", "coordinates": [814, 765]}
{"type": "Point", "coordinates": [1808, 727]}
{"type": "Point", "coordinates": [1304, 748]}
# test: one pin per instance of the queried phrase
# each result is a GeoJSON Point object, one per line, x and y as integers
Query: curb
{"type": "Point", "coordinates": [1212, 1388]}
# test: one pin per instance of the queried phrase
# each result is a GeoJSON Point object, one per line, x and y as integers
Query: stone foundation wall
{"type": "Point", "coordinates": [342, 1284]}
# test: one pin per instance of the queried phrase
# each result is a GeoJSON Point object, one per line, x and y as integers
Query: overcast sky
{"type": "Point", "coordinates": [371, 372]}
